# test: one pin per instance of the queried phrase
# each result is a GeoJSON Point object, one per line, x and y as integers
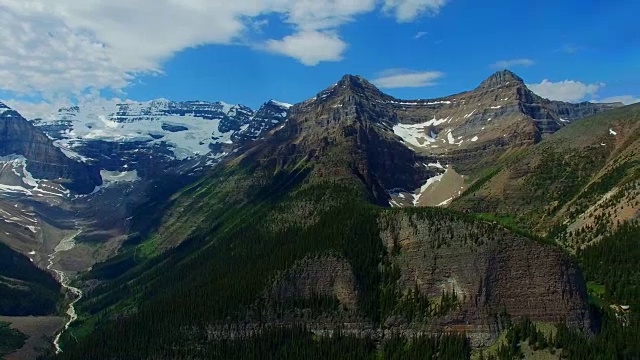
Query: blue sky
{"type": "Point", "coordinates": [250, 51]}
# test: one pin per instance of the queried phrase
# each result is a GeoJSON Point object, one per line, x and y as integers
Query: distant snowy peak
{"type": "Point", "coordinates": [280, 104]}
{"type": "Point", "coordinates": [4, 108]}
{"type": "Point", "coordinates": [125, 136]}
{"type": "Point", "coordinates": [154, 109]}
{"type": "Point", "coordinates": [271, 114]}
{"type": "Point", "coordinates": [187, 129]}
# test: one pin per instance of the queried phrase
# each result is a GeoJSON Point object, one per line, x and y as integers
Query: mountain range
{"type": "Point", "coordinates": [187, 224]}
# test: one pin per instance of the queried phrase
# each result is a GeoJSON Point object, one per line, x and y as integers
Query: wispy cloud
{"type": "Point", "coordinates": [420, 34]}
{"type": "Point", "coordinates": [506, 64]}
{"type": "Point", "coordinates": [409, 10]}
{"type": "Point", "coordinates": [570, 48]}
{"type": "Point", "coordinates": [625, 99]}
{"type": "Point", "coordinates": [567, 90]}
{"type": "Point", "coordinates": [405, 78]}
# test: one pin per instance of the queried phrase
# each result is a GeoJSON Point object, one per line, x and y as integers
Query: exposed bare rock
{"type": "Point", "coordinates": [325, 276]}
{"type": "Point", "coordinates": [491, 270]}
{"type": "Point", "coordinates": [44, 160]}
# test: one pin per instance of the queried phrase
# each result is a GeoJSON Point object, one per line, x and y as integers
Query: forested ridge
{"type": "Point", "coordinates": [24, 288]}
{"type": "Point", "coordinates": [180, 303]}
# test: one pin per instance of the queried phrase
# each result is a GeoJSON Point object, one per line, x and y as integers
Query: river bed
{"type": "Point", "coordinates": [66, 244]}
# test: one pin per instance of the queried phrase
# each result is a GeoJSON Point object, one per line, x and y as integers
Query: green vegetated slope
{"type": "Point", "coordinates": [250, 269]}
{"type": "Point", "coordinates": [580, 188]}
{"type": "Point", "coordinates": [575, 186]}
{"type": "Point", "coordinates": [24, 288]}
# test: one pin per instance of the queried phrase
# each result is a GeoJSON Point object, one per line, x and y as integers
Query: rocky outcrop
{"type": "Point", "coordinates": [44, 160]}
{"type": "Point", "coordinates": [490, 270]}
{"type": "Point", "coordinates": [323, 276]}
{"type": "Point", "coordinates": [270, 115]}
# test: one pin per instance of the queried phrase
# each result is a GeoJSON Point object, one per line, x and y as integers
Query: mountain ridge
{"type": "Point", "coordinates": [44, 160]}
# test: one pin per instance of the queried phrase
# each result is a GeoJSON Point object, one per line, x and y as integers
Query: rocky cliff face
{"type": "Point", "coordinates": [44, 160]}
{"type": "Point", "coordinates": [473, 128]}
{"type": "Point", "coordinates": [489, 269]}
{"type": "Point", "coordinates": [270, 115]}
{"type": "Point", "coordinates": [320, 277]}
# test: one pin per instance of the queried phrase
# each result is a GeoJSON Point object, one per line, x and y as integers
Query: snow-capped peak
{"type": "Point", "coordinates": [4, 108]}
{"type": "Point", "coordinates": [281, 104]}
{"type": "Point", "coordinates": [186, 128]}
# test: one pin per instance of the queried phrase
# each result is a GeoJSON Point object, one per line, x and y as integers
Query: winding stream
{"type": "Point", "coordinates": [66, 244]}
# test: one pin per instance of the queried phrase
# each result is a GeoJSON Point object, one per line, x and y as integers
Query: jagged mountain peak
{"type": "Point", "coordinates": [501, 78]}
{"type": "Point", "coordinates": [358, 84]}
{"type": "Point", "coordinates": [354, 80]}
{"type": "Point", "coordinates": [279, 104]}
{"type": "Point", "coordinates": [4, 108]}
{"type": "Point", "coordinates": [350, 85]}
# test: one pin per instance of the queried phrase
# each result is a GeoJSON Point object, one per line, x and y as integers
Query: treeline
{"type": "Point", "coordinates": [615, 263]}
{"type": "Point", "coordinates": [24, 288]}
{"type": "Point", "coordinates": [295, 343]}
{"type": "Point", "coordinates": [615, 340]}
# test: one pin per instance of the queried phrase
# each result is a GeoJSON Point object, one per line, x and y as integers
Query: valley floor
{"type": "Point", "coordinates": [39, 329]}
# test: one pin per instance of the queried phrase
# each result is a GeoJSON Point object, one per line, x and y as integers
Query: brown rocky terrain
{"type": "Point", "coordinates": [490, 270]}
{"type": "Point", "coordinates": [320, 277]}
{"type": "Point", "coordinates": [39, 329]}
{"type": "Point", "coordinates": [583, 180]}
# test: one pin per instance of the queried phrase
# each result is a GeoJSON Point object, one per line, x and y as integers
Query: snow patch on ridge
{"type": "Point", "coordinates": [20, 181]}
{"type": "Point", "coordinates": [282, 104]}
{"type": "Point", "coordinates": [423, 188]}
{"type": "Point", "coordinates": [416, 134]}
{"type": "Point", "coordinates": [115, 176]}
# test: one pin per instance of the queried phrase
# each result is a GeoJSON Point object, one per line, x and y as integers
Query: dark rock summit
{"type": "Point", "coordinates": [501, 78]}
{"type": "Point", "coordinates": [44, 160]}
{"type": "Point", "coordinates": [270, 115]}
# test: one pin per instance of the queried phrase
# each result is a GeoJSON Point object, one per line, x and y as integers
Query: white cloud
{"type": "Point", "coordinates": [403, 78]}
{"type": "Point", "coordinates": [567, 90]}
{"type": "Point", "coordinates": [570, 48]}
{"type": "Point", "coordinates": [309, 47]}
{"type": "Point", "coordinates": [625, 99]}
{"type": "Point", "coordinates": [506, 64]}
{"type": "Point", "coordinates": [316, 24]}
{"type": "Point", "coordinates": [420, 34]}
{"type": "Point", "coordinates": [409, 10]}
{"type": "Point", "coordinates": [32, 110]}
{"type": "Point", "coordinates": [48, 48]}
